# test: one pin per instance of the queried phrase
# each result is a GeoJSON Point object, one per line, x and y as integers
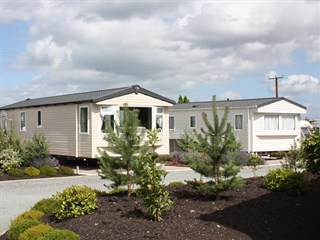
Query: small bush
{"type": "Point", "coordinates": [46, 205]}
{"type": "Point", "coordinates": [310, 147]}
{"type": "Point", "coordinates": [296, 183]}
{"type": "Point", "coordinates": [38, 162]}
{"type": "Point", "coordinates": [31, 214]}
{"type": "Point", "coordinates": [15, 172]}
{"type": "Point", "coordinates": [176, 184]}
{"type": "Point", "coordinates": [253, 162]}
{"type": "Point", "coordinates": [16, 228]}
{"type": "Point", "coordinates": [37, 147]}
{"type": "Point", "coordinates": [58, 234]}
{"type": "Point", "coordinates": [10, 158]}
{"type": "Point", "coordinates": [75, 201]}
{"type": "Point", "coordinates": [48, 170]}
{"type": "Point", "coordinates": [286, 180]}
{"type": "Point", "coordinates": [66, 171]}
{"type": "Point", "coordinates": [117, 191]}
{"type": "Point", "coordinates": [35, 232]}
{"type": "Point", "coordinates": [163, 159]}
{"type": "Point", "coordinates": [32, 171]}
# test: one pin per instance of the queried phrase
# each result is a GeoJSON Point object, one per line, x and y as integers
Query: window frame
{"type": "Point", "coordinates": [272, 115]}
{"type": "Point", "coordinates": [195, 121]}
{"type": "Point", "coordinates": [288, 116]}
{"type": "Point", "coordinates": [80, 121]}
{"type": "Point", "coordinates": [159, 114]}
{"type": "Point", "coordinates": [174, 126]}
{"type": "Point", "coordinates": [39, 125]}
{"type": "Point", "coordinates": [235, 122]}
{"type": "Point", "coordinates": [25, 121]}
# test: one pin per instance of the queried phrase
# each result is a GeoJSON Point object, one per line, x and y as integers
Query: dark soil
{"type": "Point", "coordinates": [249, 213]}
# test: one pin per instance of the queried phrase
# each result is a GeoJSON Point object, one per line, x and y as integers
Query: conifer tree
{"type": "Point", "coordinates": [214, 143]}
{"type": "Point", "coordinates": [180, 99]}
{"type": "Point", "coordinates": [124, 141]}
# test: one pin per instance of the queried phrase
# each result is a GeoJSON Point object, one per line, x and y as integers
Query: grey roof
{"type": "Point", "coordinates": [93, 96]}
{"type": "Point", "coordinates": [256, 102]}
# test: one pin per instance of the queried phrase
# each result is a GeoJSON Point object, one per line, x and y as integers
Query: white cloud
{"type": "Point", "coordinates": [299, 84]}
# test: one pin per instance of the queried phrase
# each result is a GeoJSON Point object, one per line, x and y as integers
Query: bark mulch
{"type": "Point", "coordinates": [249, 213]}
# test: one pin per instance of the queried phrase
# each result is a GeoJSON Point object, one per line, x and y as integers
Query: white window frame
{"type": "Point", "coordinates": [174, 126]}
{"type": "Point", "coordinates": [23, 129]}
{"type": "Point", "coordinates": [235, 122]}
{"type": "Point", "coordinates": [159, 114]}
{"type": "Point", "coordinates": [284, 126]}
{"type": "Point", "coordinates": [39, 125]}
{"type": "Point", "coordinates": [80, 130]}
{"type": "Point", "coordinates": [195, 121]}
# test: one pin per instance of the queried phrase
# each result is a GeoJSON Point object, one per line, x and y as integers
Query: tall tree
{"type": "Point", "coordinates": [124, 141]}
{"type": "Point", "coordinates": [180, 99]}
{"type": "Point", "coordinates": [213, 143]}
{"type": "Point", "coordinates": [186, 99]}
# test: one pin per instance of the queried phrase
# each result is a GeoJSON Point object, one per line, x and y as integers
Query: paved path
{"type": "Point", "coordinates": [19, 195]}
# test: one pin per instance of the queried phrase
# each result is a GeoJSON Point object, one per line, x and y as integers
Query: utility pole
{"type": "Point", "coordinates": [276, 80]}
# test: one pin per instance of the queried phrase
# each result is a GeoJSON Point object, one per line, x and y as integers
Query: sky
{"type": "Point", "coordinates": [193, 48]}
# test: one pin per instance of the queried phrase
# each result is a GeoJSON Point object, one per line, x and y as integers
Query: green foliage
{"type": "Point", "coordinates": [163, 159]}
{"type": "Point", "coordinates": [286, 180]}
{"type": "Point", "coordinates": [16, 228]}
{"type": "Point", "coordinates": [35, 232]}
{"type": "Point", "coordinates": [9, 139]}
{"type": "Point", "coordinates": [254, 161]}
{"type": "Point", "coordinates": [187, 142]}
{"type": "Point", "coordinates": [184, 99]}
{"type": "Point", "coordinates": [176, 184]}
{"type": "Point", "coordinates": [75, 201]}
{"type": "Point", "coordinates": [66, 170]}
{"type": "Point", "coordinates": [155, 198]}
{"type": "Point", "coordinates": [58, 234]}
{"type": "Point", "coordinates": [9, 158]}
{"type": "Point", "coordinates": [31, 214]}
{"type": "Point", "coordinates": [126, 142]}
{"type": "Point", "coordinates": [46, 205]}
{"type": "Point", "coordinates": [213, 144]}
{"type": "Point", "coordinates": [16, 172]}
{"type": "Point", "coordinates": [118, 190]}
{"type": "Point", "coordinates": [31, 171]}
{"type": "Point", "coordinates": [48, 170]}
{"type": "Point", "coordinates": [310, 147]}
{"type": "Point", "coordinates": [37, 147]}
{"type": "Point", "coordinates": [293, 157]}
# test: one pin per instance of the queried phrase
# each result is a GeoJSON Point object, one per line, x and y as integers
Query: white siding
{"type": "Point", "coordinates": [281, 107]}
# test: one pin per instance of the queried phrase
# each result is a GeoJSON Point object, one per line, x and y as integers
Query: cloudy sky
{"type": "Point", "coordinates": [193, 48]}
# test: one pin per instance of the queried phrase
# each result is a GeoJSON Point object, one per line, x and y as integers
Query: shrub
{"type": "Point", "coordinates": [10, 158]}
{"type": "Point", "coordinates": [16, 228]}
{"type": "Point", "coordinates": [31, 214]}
{"type": "Point", "coordinates": [38, 162]}
{"type": "Point", "coordinates": [75, 201]}
{"type": "Point", "coordinates": [35, 232]}
{"type": "Point", "coordinates": [37, 147]}
{"type": "Point", "coordinates": [66, 171]}
{"type": "Point", "coordinates": [48, 170]}
{"type": "Point", "coordinates": [46, 205]}
{"type": "Point", "coordinates": [163, 159]}
{"type": "Point", "coordinates": [58, 234]}
{"type": "Point", "coordinates": [310, 147]}
{"type": "Point", "coordinates": [1, 172]}
{"type": "Point", "coordinates": [16, 172]}
{"type": "Point", "coordinates": [176, 184]}
{"type": "Point", "coordinates": [32, 171]}
{"type": "Point", "coordinates": [253, 162]}
{"type": "Point", "coordinates": [286, 180]}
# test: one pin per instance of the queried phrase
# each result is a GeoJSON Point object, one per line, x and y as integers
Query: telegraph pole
{"type": "Point", "coordinates": [276, 80]}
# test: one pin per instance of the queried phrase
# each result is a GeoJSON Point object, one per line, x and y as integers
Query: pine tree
{"type": "Point", "coordinates": [213, 143]}
{"type": "Point", "coordinates": [186, 99]}
{"type": "Point", "coordinates": [180, 99]}
{"type": "Point", "coordinates": [124, 141]}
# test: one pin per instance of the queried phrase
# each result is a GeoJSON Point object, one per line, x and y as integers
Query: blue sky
{"type": "Point", "coordinates": [193, 48]}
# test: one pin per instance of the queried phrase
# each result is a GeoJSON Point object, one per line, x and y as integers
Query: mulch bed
{"type": "Point", "coordinates": [249, 213]}
{"type": "Point", "coordinates": [7, 177]}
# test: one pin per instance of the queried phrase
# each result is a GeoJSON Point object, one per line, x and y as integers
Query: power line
{"type": "Point", "coordinates": [276, 82]}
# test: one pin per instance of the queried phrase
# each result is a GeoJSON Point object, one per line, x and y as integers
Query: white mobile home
{"type": "Point", "coordinates": [74, 123]}
{"type": "Point", "coordinates": [262, 125]}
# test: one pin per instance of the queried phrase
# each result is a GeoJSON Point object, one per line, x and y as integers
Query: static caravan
{"type": "Point", "coordinates": [74, 123]}
{"type": "Point", "coordinates": [262, 125]}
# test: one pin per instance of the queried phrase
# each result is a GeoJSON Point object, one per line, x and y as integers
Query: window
{"type": "Point", "coordinates": [83, 119]}
{"type": "Point", "coordinates": [39, 118]}
{"type": "Point", "coordinates": [192, 121]}
{"type": "Point", "coordinates": [159, 118]}
{"type": "Point", "coordinates": [271, 122]}
{"type": "Point", "coordinates": [4, 120]}
{"type": "Point", "coordinates": [145, 116]}
{"type": "Point", "coordinates": [288, 122]}
{"type": "Point", "coordinates": [171, 122]}
{"type": "Point", "coordinates": [23, 121]}
{"type": "Point", "coordinates": [238, 122]}
{"type": "Point", "coordinates": [107, 117]}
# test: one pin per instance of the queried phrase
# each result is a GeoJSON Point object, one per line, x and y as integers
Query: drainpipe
{"type": "Point", "coordinates": [77, 130]}
{"type": "Point", "coordinates": [249, 129]}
